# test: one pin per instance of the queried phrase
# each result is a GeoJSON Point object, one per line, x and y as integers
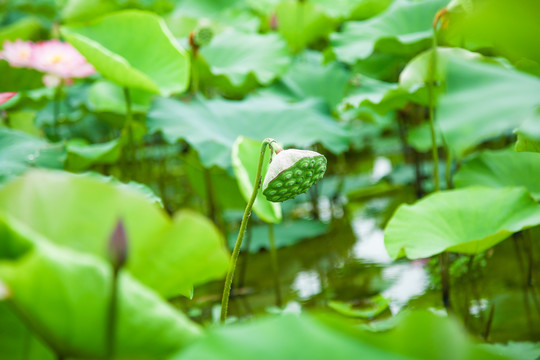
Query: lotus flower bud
{"type": "Point", "coordinates": [118, 248]}
{"type": "Point", "coordinates": [291, 173]}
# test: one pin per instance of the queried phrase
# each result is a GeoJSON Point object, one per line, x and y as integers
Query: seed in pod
{"type": "Point", "coordinates": [291, 173]}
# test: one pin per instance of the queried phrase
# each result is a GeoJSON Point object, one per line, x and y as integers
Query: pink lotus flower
{"type": "Point", "coordinates": [18, 53]}
{"type": "Point", "coordinates": [5, 96]}
{"type": "Point", "coordinates": [61, 59]}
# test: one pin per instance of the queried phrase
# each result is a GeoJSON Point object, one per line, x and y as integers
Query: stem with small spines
{"type": "Point", "coordinates": [247, 213]}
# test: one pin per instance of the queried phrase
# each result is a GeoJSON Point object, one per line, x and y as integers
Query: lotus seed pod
{"type": "Point", "coordinates": [291, 173]}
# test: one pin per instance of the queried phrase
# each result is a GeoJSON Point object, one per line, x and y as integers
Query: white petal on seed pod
{"type": "Point", "coordinates": [283, 161]}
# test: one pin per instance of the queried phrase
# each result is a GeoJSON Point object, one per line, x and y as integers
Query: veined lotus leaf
{"type": "Point", "coordinates": [302, 22]}
{"type": "Point", "coordinates": [212, 126]}
{"type": "Point", "coordinates": [305, 337]}
{"type": "Point", "coordinates": [264, 56]}
{"type": "Point", "coordinates": [502, 168]}
{"type": "Point", "coordinates": [16, 340]}
{"type": "Point", "coordinates": [105, 96]}
{"type": "Point", "coordinates": [81, 156]}
{"type": "Point", "coordinates": [404, 28]}
{"type": "Point", "coordinates": [20, 151]}
{"type": "Point", "coordinates": [24, 29]}
{"type": "Point", "coordinates": [73, 293]}
{"type": "Point", "coordinates": [483, 101]}
{"type": "Point", "coordinates": [352, 9]}
{"type": "Point", "coordinates": [309, 78]}
{"type": "Point", "coordinates": [468, 221]}
{"type": "Point", "coordinates": [142, 54]}
{"type": "Point", "coordinates": [166, 255]}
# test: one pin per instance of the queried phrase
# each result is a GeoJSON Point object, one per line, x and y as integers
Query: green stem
{"type": "Point", "coordinates": [448, 170]}
{"type": "Point", "coordinates": [194, 75]}
{"type": "Point", "coordinates": [56, 110]}
{"type": "Point", "coordinates": [431, 99]}
{"type": "Point", "coordinates": [487, 329]}
{"type": "Point", "coordinates": [243, 226]}
{"type": "Point", "coordinates": [110, 332]}
{"type": "Point", "coordinates": [444, 259]}
{"type": "Point", "coordinates": [130, 146]}
{"type": "Point", "coordinates": [275, 266]}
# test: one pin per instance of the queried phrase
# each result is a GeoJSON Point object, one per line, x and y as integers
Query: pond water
{"type": "Point", "coordinates": [349, 264]}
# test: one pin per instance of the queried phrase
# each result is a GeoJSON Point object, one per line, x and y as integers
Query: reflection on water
{"type": "Point", "coordinates": [409, 280]}
{"type": "Point", "coordinates": [382, 166]}
{"type": "Point", "coordinates": [307, 283]}
{"type": "Point", "coordinates": [370, 244]}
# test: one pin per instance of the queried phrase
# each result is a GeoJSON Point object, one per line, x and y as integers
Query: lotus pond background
{"type": "Point", "coordinates": [131, 130]}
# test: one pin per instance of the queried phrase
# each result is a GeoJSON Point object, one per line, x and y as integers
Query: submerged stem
{"type": "Point", "coordinates": [243, 226]}
{"type": "Point", "coordinates": [444, 259]}
{"type": "Point", "coordinates": [275, 266]}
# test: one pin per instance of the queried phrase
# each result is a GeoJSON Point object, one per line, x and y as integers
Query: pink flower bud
{"type": "Point", "coordinates": [118, 246]}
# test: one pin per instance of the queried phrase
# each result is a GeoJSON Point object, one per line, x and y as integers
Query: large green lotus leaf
{"type": "Point", "coordinates": [105, 96]}
{"type": "Point", "coordinates": [142, 54]}
{"type": "Point", "coordinates": [85, 10]}
{"type": "Point", "coordinates": [467, 221]}
{"type": "Point", "coordinates": [212, 126]}
{"type": "Point", "coordinates": [405, 28]}
{"type": "Point", "coordinates": [500, 169]}
{"type": "Point", "coordinates": [483, 101]}
{"type": "Point", "coordinates": [515, 350]}
{"type": "Point", "coordinates": [20, 151]}
{"type": "Point", "coordinates": [419, 137]}
{"type": "Point", "coordinates": [378, 95]}
{"type": "Point", "coordinates": [207, 8]}
{"type": "Point", "coordinates": [221, 84]}
{"type": "Point", "coordinates": [163, 254]}
{"type": "Point", "coordinates": [289, 337]}
{"type": "Point", "coordinates": [18, 79]}
{"type": "Point", "coordinates": [286, 233]}
{"type": "Point", "coordinates": [245, 159]}
{"type": "Point", "coordinates": [301, 23]}
{"type": "Point", "coordinates": [62, 295]}
{"type": "Point", "coordinates": [25, 29]}
{"type": "Point", "coordinates": [81, 156]}
{"type": "Point", "coordinates": [487, 25]}
{"type": "Point", "coordinates": [416, 75]}
{"type": "Point", "coordinates": [309, 78]}
{"type": "Point", "coordinates": [188, 14]}
{"type": "Point", "coordinates": [355, 9]}
{"type": "Point", "coordinates": [237, 54]}
{"type": "Point", "coordinates": [420, 335]}
{"type": "Point", "coordinates": [16, 340]}
{"type": "Point", "coordinates": [142, 189]}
